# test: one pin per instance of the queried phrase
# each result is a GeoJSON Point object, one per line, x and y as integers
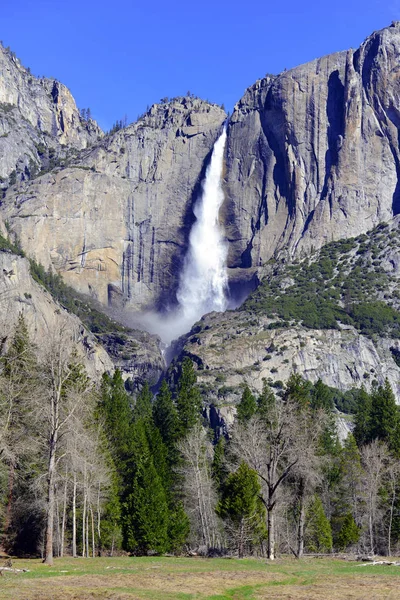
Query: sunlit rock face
{"type": "Point", "coordinates": [313, 153]}
{"type": "Point", "coordinates": [115, 222]}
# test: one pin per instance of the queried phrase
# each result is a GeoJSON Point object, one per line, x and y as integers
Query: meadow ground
{"type": "Point", "coordinates": [161, 578]}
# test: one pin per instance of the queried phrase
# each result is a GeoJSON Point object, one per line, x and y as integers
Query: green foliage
{"type": "Point", "coordinates": [6, 245]}
{"type": "Point", "coordinates": [73, 302]}
{"type": "Point", "coordinates": [266, 401]}
{"type": "Point", "coordinates": [318, 532]}
{"type": "Point", "coordinates": [115, 408]}
{"type": "Point", "coordinates": [145, 517]}
{"type": "Point", "coordinates": [247, 406]}
{"type": "Point", "coordinates": [240, 503]}
{"type": "Point", "coordinates": [165, 417]}
{"type": "Point", "coordinates": [143, 407]}
{"type": "Point", "coordinates": [188, 400]}
{"type": "Point", "coordinates": [298, 391]}
{"type": "Point", "coordinates": [338, 285]}
{"type": "Point", "coordinates": [349, 533]}
{"type": "Point", "coordinates": [385, 417]}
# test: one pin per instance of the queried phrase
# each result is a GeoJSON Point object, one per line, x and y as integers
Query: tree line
{"type": "Point", "coordinates": [88, 469]}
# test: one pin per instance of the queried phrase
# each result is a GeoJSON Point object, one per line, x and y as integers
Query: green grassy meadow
{"type": "Point", "coordinates": [162, 578]}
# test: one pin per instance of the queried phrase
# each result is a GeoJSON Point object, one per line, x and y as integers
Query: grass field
{"type": "Point", "coordinates": [189, 578]}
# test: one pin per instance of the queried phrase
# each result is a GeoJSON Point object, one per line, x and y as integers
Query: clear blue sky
{"type": "Point", "coordinates": [118, 56]}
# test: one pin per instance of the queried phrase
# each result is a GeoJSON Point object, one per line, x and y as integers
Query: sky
{"type": "Point", "coordinates": [118, 56]}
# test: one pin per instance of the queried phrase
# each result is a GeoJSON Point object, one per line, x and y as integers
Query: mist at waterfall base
{"type": "Point", "coordinates": [203, 282]}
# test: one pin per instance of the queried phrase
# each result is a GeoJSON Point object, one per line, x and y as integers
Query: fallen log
{"type": "Point", "coordinates": [380, 562]}
{"type": "Point", "coordinates": [12, 570]}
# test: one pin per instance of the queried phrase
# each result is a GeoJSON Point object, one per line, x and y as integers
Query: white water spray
{"type": "Point", "coordinates": [203, 281]}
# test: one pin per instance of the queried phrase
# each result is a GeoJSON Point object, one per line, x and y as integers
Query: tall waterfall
{"type": "Point", "coordinates": [203, 280]}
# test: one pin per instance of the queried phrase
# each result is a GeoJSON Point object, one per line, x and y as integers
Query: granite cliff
{"type": "Point", "coordinates": [313, 153]}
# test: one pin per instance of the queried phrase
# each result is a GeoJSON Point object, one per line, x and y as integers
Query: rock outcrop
{"type": "Point", "coordinates": [19, 293]}
{"type": "Point", "coordinates": [313, 154]}
{"type": "Point", "coordinates": [236, 347]}
{"type": "Point", "coordinates": [40, 124]}
{"type": "Point", "coordinates": [115, 223]}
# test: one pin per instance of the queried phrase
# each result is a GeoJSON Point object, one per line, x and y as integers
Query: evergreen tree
{"type": "Point", "coordinates": [318, 536]}
{"type": "Point", "coordinates": [347, 494]}
{"type": "Point", "coordinates": [115, 408]}
{"type": "Point", "coordinates": [362, 417]}
{"type": "Point", "coordinates": [165, 417]}
{"type": "Point", "coordinates": [321, 397]}
{"type": "Point", "coordinates": [349, 533]}
{"type": "Point", "coordinates": [188, 401]}
{"type": "Point", "coordinates": [298, 391]}
{"type": "Point", "coordinates": [143, 407]}
{"type": "Point", "coordinates": [266, 401]}
{"type": "Point", "coordinates": [247, 406]}
{"type": "Point", "coordinates": [384, 420]}
{"type": "Point", "coordinates": [241, 504]}
{"type": "Point", "coordinates": [146, 512]}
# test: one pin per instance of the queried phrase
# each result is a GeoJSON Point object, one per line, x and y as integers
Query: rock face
{"type": "Point", "coordinates": [20, 294]}
{"type": "Point", "coordinates": [313, 154]}
{"type": "Point", "coordinates": [236, 347]}
{"type": "Point", "coordinates": [115, 223]}
{"type": "Point", "coordinates": [39, 122]}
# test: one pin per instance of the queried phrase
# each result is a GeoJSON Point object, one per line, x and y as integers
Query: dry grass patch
{"type": "Point", "coordinates": [191, 578]}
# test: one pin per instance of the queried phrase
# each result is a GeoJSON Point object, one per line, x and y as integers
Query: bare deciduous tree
{"type": "Point", "coordinates": [200, 496]}
{"type": "Point", "coordinates": [268, 446]}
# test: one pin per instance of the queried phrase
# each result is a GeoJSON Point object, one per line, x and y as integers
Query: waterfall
{"type": "Point", "coordinates": [203, 281]}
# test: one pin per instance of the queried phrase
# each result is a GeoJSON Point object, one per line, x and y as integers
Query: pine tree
{"type": "Point", "coordinates": [247, 406]}
{"type": "Point", "coordinates": [115, 408]}
{"type": "Point", "coordinates": [347, 497]}
{"type": "Point", "coordinates": [349, 533]}
{"type": "Point", "coordinates": [321, 397]}
{"type": "Point", "coordinates": [143, 407]}
{"type": "Point", "coordinates": [362, 417]}
{"type": "Point", "coordinates": [385, 417]}
{"type": "Point", "coordinates": [146, 512]}
{"type": "Point", "coordinates": [165, 417]}
{"type": "Point", "coordinates": [188, 401]}
{"type": "Point", "coordinates": [241, 504]}
{"type": "Point", "coordinates": [318, 536]}
{"type": "Point", "coordinates": [265, 402]}
{"type": "Point", "coordinates": [298, 391]}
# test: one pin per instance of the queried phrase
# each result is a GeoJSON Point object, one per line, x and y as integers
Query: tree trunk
{"type": "Point", "coordinates": [271, 533]}
{"type": "Point", "coordinates": [93, 545]}
{"type": "Point", "coordinates": [11, 475]}
{"type": "Point", "coordinates": [302, 516]}
{"type": "Point", "coordinates": [84, 524]}
{"type": "Point", "coordinates": [74, 554]}
{"type": "Point", "coordinates": [48, 560]}
{"type": "Point", "coordinates": [389, 549]}
{"type": "Point", "coordinates": [99, 521]}
{"type": "Point", "coordinates": [64, 514]}
{"type": "Point", "coordinates": [87, 534]}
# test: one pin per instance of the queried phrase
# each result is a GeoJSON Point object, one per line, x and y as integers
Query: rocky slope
{"type": "Point", "coordinates": [234, 348]}
{"type": "Point", "coordinates": [313, 153]}
{"type": "Point", "coordinates": [333, 316]}
{"type": "Point", "coordinates": [20, 294]}
{"type": "Point", "coordinates": [40, 124]}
